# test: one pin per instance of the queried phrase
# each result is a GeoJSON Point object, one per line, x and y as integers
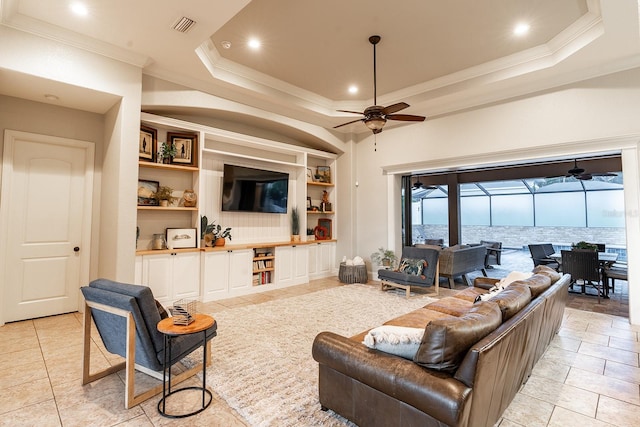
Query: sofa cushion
{"type": "Point", "coordinates": [547, 271]}
{"type": "Point", "coordinates": [538, 283]}
{"type": "Point", "coordinates": [398, 340]}
{"type": "Point", "coordinates": [451, 305]}
{"type": "Point", "coordinates": [512, 277]}
{"type": "Point", "coordinates": [446, 341]}
{"type": "Point", "coordinates": [412, 266]}
{"type": "Point", "coordinates": [512, 299]}
{"type": "Point", "coordinates": [470, 294]}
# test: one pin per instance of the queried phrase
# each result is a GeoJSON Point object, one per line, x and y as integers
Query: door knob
{"type": "Point", "coordinates": [76, 249]}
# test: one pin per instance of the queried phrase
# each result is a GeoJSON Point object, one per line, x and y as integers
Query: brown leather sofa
{"type": "Point", "coordinates": [474, 386]}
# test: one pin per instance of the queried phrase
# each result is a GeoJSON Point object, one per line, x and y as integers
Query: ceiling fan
{"type": "Point", "coordinates": [581, 174]}
{"type": "Point", "coordinates": [376, 116]}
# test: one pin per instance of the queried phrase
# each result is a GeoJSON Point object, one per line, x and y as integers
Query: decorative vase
{"type": "Point", "coordinates": [190, 198]}
{"type": "Point", "coordinates": [220, 241]}
{"type": "Point", "coordinates": [164, 203]}
{"type": "Point", "coordinates": [158, 242]}
{"type": "Point", "coordinates": [295, 238]}
{"type": "Point", "coordinates": [208, 240]}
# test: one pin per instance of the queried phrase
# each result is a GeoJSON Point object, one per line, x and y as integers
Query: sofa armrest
{"type": "Point", "coordinates": [437, 394]}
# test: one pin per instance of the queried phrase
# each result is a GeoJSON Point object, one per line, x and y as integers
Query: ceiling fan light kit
{"type": "Point", "coordinates": [376, 116]}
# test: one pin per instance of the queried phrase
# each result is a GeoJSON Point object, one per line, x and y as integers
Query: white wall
{"type": "Point", "coordinates": [49, 61]}
{"type": "Point", "coordinates": [593, 116]}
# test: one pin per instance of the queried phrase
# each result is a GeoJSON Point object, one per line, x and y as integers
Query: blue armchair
{"type": "Point", "coordinates": [429, 276]}
{"type": "Point", "coordinates": [126, 317]}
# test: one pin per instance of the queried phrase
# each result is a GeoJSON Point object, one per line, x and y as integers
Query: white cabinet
{"type": "Point", "coordinates": [291, 265]}
{"type": "Point", "coordinates": [226, 273]}
{"type": "Point", "coordinates": [172, 276]}
{"type": "Point", "coordinates": [321, 259]}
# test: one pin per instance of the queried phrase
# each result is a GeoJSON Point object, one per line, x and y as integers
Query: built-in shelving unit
{"type": "Point", "coordinates": [253, 262]}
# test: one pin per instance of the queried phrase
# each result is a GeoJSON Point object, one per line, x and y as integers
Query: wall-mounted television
{"type": "Point", "coordinates": [254, 190]}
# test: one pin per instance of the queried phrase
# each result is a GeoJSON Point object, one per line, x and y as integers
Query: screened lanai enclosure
{"type": "Point", "coordinates": [558, 209]}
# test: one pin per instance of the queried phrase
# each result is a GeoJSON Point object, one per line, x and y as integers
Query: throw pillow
{"type": "Point", "coordinates": [163, 313]}
{"type": "Point", "coordinates": [512, 277]}
{"type": "Point", "coordinates": [412, 266]}
{"type": "Point", "coordinates": [397, 340]}
{"type": "Point", "coordinates": [446, 341]}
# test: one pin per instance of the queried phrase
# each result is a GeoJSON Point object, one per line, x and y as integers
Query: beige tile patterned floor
{"type": "Point", "coordinates": [589, 376]}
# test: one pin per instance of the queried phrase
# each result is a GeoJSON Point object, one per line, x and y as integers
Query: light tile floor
{"type": "Point", "coordinates": [589, 376]}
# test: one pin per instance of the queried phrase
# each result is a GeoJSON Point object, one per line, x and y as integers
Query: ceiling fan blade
{"type": "Point", "coordinates": [603, 174]}
{"type": "Point", "coordinates": [395, 108]}
{"type": "Point", "coordinates": [405, 117]}
{"type": "Point", "coordinates": [348, 123]}
{"type": "Point", "coordinates": [584, 176]}
{"type": "Point", "coordinates": [348, 111]}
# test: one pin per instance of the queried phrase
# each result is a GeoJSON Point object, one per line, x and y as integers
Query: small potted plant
{"type": "Point", "coordinates": [164, 196]}
{"type": "Point", "coordinates": [167, 152]}
{"type": "Point", "coordinates": [295, 225]}
{"type": "Point", "coordinates": [220, 235]}
{"type": "Point", "coordinates": [310, 234]}
{"type": "Point", "coordinates": [384, 257]}
{"type": "Point", "coordinates": [584, 245]}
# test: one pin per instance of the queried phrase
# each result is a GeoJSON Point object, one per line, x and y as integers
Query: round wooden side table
{"type": "Point", "coordinates": [201, 323]}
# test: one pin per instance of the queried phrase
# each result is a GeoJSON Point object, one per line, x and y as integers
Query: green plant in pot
{"type": "Point", "coordinates": [167, 152]}
{"type": "Point", "coordinates": [164, 195]}
{"type": "Point", "coordinates": [213, 234]}
{"type": "Point", "coordinates": [295, 225]}
{"type": "Point", "coordinates": [384, 257]}
{"type": "Point", "coordinates": [584, 245]}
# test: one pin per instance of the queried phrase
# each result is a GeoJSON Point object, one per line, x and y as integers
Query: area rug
{"type": "Point", "coordinates": [262, 363]}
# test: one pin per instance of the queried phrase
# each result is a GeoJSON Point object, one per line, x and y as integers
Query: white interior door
{"type": "Point", "coordinates": [45, 212]}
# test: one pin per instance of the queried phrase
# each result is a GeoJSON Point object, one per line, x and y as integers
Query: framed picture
{"type": "Point", "coordinates": [325, 223]}
{"type": "Point", "coordinates": [309, 205]}
{"type": "Point", "coordinates": [324, 172]}
{"type": "Point", "coordinates": [148, 145]}
{"type": "Point", "coordinates": [181, 238]}
{"type": "Point", "coordinates": [310, 176]}
{"type": "Point", "coordinates": [146, 189]}
{"type": "Point", "coordinates": [186, 148]}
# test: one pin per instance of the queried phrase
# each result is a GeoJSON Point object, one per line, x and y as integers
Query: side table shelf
{"type": "Point", "coordinates": [201, 324]}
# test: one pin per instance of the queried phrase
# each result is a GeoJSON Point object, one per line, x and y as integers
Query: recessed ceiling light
{"type": "Point", "coordinates": [521, 29]}
{"type": "Point", "coordinates": [254, 43]}
{"type": "Point", "coordinates": [225, 44]}
{"type": "Point", "coordinates": [79, 9]}
{"type": "Point", "coordinates": [353, 89]}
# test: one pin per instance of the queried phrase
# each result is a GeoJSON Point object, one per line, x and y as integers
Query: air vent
{"type": "Point", "coordinates": [183, 24]}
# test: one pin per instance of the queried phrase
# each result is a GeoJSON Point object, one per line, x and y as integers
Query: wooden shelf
{"type": "Point", "coordinates": [143, 164]}
{"type": "Point", "coordinates": [320, 212]}
{"type": "Point", "coordinates": [169, 208]}
{"type": "Point", "coordinates": [321, 184]}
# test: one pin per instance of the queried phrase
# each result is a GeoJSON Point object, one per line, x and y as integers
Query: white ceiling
{"type": "Point", "coordinates": [439, 56]}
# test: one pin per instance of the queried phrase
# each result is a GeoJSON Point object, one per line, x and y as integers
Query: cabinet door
{"type": "Point", "coordinates": [325, 259]}
{"type": "Point", "coordinates": [215, 275]}
{"type": "Point", "coordinates": [240, 269]}
{"type": "Point", "coordinates": [313, 260]}
{"type": "Point", "coordinates": [300, 264]}
{"type": "Point", "coordinates": [186, 275]}
{"type": "Point", "coordinates": [284, 265]}
{"type": "Point", "coordinates": [156, 274]}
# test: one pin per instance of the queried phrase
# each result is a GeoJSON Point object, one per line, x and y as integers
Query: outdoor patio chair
{"type": "Point", "coordinates": [540, 254]}
{"type": "Point", "coordinates": [494, 252]}
{"type": "Point", "coordinates": [583, 264]}
{"type": "Point", "coordinates": [126, 317]}
{"type": "Point", "coordinates": [616, 271]}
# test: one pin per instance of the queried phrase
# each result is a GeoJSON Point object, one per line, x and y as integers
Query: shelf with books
{"type": "Point", "coordinates": [263, 266]}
